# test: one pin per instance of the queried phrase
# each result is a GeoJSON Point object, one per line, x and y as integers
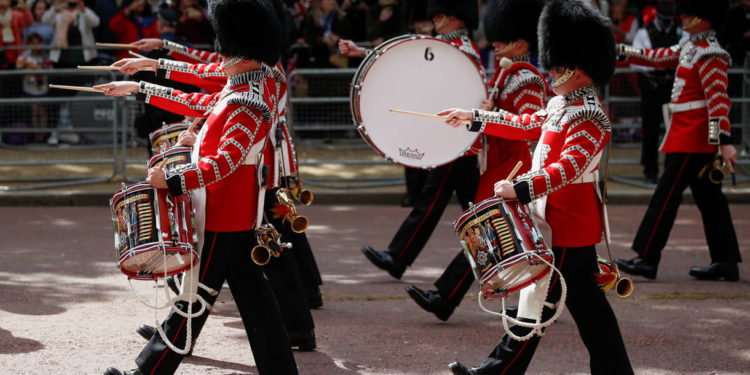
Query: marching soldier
{"type": "Point", "coordinates": [230, 147]}
{"type": "Point", "coordinates": [577, 46]}
{"type": "Point", "coordinates": [517, 87]}
{"type": "Point", "coordinates": [699, 127]}
{"type": "Point", "coordinates": [451, 19]}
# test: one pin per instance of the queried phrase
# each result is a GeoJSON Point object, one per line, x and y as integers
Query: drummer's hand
{"type": "Point", "coordinates": [729, 154]}
{"type": "Point", "coordinates": [457, 117]}
{"type": "Point", "coordinates": [132, 65]}
{"type": "Point", "coordinates": [504, 189]}
{"type": "Point", "coordinates": [119, 88]}
{"type": "Point", "coordinates": [156, 178]}
{"type": "Point", "coordinates": [349, 48]}
{"type": "Point", "coordinates": [186, 139]}
{"type": "Point", "coordinates": [486, 105]}
{"type": "Point", "coordinates": [148, 44]}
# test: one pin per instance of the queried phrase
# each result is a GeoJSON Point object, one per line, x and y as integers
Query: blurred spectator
{"type": "Point", "coordinates": [38, 8]}
{"type": "Point", "coordinates": [132, 23]}
{"type": "Point", "coordinates": [14, 17]}
{"type": "Point", "coordinates": [35, 85]}
{"type": "Point", "coordinates": [194, 26]}
{"type": "Point", "coordinates": [74, 24]}
{"type": "Point", "coordinates": [655, 85]}
{"type": "Point", "coordinates": [736, 32]}
{"type": "Point", "coordinates": [324, 25]}
{"type": "Point", "coordinates": [106, 10]}
{"type": "Point", "coordinates": [624, 24]}
{"type": "Point", "coordinates": [385, 20]}
{"type": "Point", "coordinates": [298, 9]}
{"type": "Point", "coordinates": [357, 12]}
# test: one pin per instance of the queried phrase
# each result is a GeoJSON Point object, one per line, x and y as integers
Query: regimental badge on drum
{"type": "Point", "coordinates": [411, 154]}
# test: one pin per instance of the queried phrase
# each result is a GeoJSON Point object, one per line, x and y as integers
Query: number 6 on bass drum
{"type": "Point", "coordinates": [421, 74]}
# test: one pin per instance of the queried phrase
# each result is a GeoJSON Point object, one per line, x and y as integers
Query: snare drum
{"type": "Point", "coordinates": [503, 245]}
{"type": "Point", "coordinates": [166, 136]}
{"type": "Point", "coordinates": [420, 74]}
{"type": "Point", "coordinates": [154, 232]}
{"type": "Point", "coordinates": [171, 158]}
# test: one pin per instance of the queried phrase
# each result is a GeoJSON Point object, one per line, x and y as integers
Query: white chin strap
{"type": "Point", "coordinates": [693, 22]}
{"type": "Point", "coordinates": [563, 78]}
{"type": "Point", "coordinates": [230, 62]}
{"type": "Point", "coordinates": [505, 50]}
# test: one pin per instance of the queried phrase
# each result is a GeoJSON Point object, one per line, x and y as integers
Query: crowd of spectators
{"type": "Point", "coordinates": [70, 29]}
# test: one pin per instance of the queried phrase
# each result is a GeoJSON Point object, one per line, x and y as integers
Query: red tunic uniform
{"type": "Point", "coordinates": [237, 127]}
{"type": "Point", "coordinates": [519, 89]}
{"type": "Point", "coordinates": [572, 133]}
{"type": "Point", "coordinates": [700, 104]}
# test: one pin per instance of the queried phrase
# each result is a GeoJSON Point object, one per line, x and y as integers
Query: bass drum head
{"type": "Point", "coordinates": [419, 74]}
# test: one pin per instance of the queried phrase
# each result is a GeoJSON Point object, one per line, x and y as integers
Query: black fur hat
{"type": "Point", "coordinates": [714, 11]}
{"type": "Point", "coordinates": [465, 10]}
{"type": "Point", "coordinates": [248, 29]}
{"type": "Point", "coordinates": [416, 10]}
{"type": "Point", "coordinates": [511, 20]}
{"type": "Point", "coordinates": [572, 34]}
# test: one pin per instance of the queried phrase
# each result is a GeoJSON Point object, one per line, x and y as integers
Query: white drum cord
{"type": "Point", "coordinates": [537, 327]}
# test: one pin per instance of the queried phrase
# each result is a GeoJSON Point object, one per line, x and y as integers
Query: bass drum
{"type": "Point", "coordinates": [419, 74]}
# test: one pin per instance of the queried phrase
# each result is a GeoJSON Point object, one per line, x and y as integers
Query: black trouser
{"type": "Point", "coordinates": [654, 93]}
{"type": "Point", "coordinates": [285, 277]}
{"type": "Point", "coordinates": [590, 310]}
{"type": "Point", "coordinates": [455, 280]}
{"type": "Point", "coordinates": [301, 249]}
{"type": "Point", "coordinates": [681, 171]}
{"type": "Point", "coordinates": [415, 178]}
{"type": "Point", "coordinates": [461, 175]}
{"type": "Point", "coordinates": [225, 256]}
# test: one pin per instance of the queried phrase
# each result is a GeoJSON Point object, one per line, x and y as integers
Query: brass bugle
{"type": "Point", "coordinates": [305, 197]}
{"type": "Point", "coordinates": [260, 255]}
{"type": "Point", "coordinates": [624, 287]}
{"type": "Point", "coordinates": [298, 222]}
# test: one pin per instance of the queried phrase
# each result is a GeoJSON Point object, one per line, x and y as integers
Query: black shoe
{"type": "Point", "coordinates": [114, 371]}
{"type": "Point", "coordinates": [384, 261]}
{"type": "Point", "coordinates": [637, 266]}
{"type": "Point", "coordinates": [458, 369]}
{"type": "Point", "coordinates": [651, 180]}
{"type": "Point", "coordinates": [304, 341]}
{"type": "Point", "coordinates": [172, 284]}
{"type": "Point", "coordinates": [314, 298]}
{"type": "Point", "coordinates": [717, 271]}
{"type": "Point", "coordinates": [430, 301]}
{"type": "Point", "coordinates": [146, 331]}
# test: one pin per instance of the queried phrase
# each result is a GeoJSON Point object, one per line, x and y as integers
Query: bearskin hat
{"type": "Point", "coordinates": [510, 20]}
{"type": "Point", "coordinates": [248, 29]}
{"type": "Point", "coordinates": [465, 10]}
{"type": "Point", "coordinates": [416, 10]}
{"type": "Point", "coordinates": [572, 34]}
{"type": "Point", "coordinates": [714, 11]}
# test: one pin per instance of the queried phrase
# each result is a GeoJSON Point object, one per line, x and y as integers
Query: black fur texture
{"type": "Point", "coordinates": [714, 11]}
{"type": "Point", "coordinates": [512, 20]}
{"type": "Point", "coordinates": [249, 29]}
{"type": "Point", "coordinates": [465, 10]}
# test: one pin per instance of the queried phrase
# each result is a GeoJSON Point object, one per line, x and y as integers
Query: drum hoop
{"type": "Point", "coordinates": [169, 152]}
{"type": "Point", "coordinates": [525, 256]}
{"type": "Point", "coordinates": [360, 77]}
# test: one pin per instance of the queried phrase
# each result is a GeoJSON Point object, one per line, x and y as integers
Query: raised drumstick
{"type": "Point", "coordinates": [514, 171]}
{"type": "Point", "coordinates": [76, 88]}
{"type": "Point", "coordinates": [115, 45]}
{"type": "Point", "coordinates": [427, 115]}
{"type": "Point", "coordinates": [108, 67]}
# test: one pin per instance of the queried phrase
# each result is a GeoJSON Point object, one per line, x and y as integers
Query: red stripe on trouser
{"type": "Point", "coordinates": [179, 329]}
{"type": "Point", "coordinates": [459, 284]}
{"type": "Point", "coordinates": [515, 357]}
{"type": "Point", "coordinates": [661, 212]}
{"type": "Point", "coordinates": [427, 214]}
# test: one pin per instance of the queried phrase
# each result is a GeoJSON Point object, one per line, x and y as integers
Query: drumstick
{"type": "Point", "coordinates": [514, 171]}
{"type": "Point", "coordinates": [107, 67]}
{"type": "Point", "coordinates": [137, 55]}
{"type": "Point", "coordinates": [427, 115]}
{"type": "Point", "coordinates": [76, 88]}
{"type": "Point", "coordinates": [193, 125]}
{"type": "Point", "coordinates": [115, 45]}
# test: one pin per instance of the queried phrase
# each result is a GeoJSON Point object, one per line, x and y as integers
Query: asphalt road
{"type": "Point", "coordinates": [66, 309]}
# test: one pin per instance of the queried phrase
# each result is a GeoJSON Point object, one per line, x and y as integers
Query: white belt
{"type": "Point", "coordinates": [587, 177]}
{"type": "Point", "coordinates": [689, 106]}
